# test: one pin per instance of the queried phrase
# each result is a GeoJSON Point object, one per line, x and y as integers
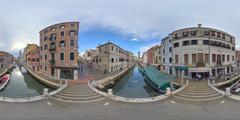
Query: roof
{"type": "Point", "coordinates": [157, 77]}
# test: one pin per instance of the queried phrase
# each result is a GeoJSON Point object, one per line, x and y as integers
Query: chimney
{"type": "Point", "coordinates": [199, 25]}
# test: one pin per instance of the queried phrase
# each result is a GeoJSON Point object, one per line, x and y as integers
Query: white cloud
{"type": "Point", "coordinates": [135, 39]}
{"type": "Point", "coordinates": [144, 20]}
{"type": "Point", "coordinates": [147, 47]}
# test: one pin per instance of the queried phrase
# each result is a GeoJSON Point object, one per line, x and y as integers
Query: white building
{"type": "Point", "coordinates": [166, 52]}
{"type": "Point", "coordinates": [199, 52]}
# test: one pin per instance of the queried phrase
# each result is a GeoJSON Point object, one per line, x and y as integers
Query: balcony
{"type": "Point", "coordinates": [219, 63]}
{"type": "Point", "coordinates": [52, 49]}
{"type": "Point", "coordinates": [52, 62]}
{"type": "Point", "coordinates": [200, 64]}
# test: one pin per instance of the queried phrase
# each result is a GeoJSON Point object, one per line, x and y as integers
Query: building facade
{"type": "Point", "coordinates": [59, 50]}
{"type": "Point", "coordinates": [110, 58]}
{"type": "Point", "coordinates": [200, 52]}
{"type": "Point", "coordinates": [89, 55]}
{"type": "Point", "coordinates": [34, 60]}
{"type": "Point", "coordinates": [6, 60]}
{"type": "Point", "coordinates": [166, 53]}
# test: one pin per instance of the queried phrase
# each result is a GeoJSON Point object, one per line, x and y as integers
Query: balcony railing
{"type": "Point", "coordinates": [200, 64]}
{"type": "Point", "coordinates": [52, 62]}
{"type": "Point", "coordinates": [52, 49]}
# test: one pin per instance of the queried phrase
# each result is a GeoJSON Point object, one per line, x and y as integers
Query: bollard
{"type": "Point", "coordinates": [110, 92]}
{"type": "Point", "coordinates": [228, 91]}
{"type": "Point", "coordinates": [45, 92]}
{"type": "Point", "coordinates": [168, 91]}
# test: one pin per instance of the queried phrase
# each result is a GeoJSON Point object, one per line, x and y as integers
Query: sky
{"type": "Point", "coordinates": [132, 24]}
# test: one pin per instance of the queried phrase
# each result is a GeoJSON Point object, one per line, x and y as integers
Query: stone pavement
{"type": "Point", "coordinates": [198, 91]}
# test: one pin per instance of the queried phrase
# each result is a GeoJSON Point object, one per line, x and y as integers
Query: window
{"type": "Point", "coordinates": [71, 55]}
{"type": "Point", "coordinates": [45, 47]}
{"type": "Point", "coordinates": [185, 34]}
{"type": "Point", "coordinates": [53, 29]}
{"type": "Point", "coordinates": [170, 60]}
{"type": "Point", "coordinates": [53, 37]}
{"type": "Point", "coordinates": [170, 49]}
{"type": "Point", "coordinates": [213, 33]}
{"type": "Point", "coordinates": [45, 56]}
{"type": "Point", "coordinates": [194, 33]}
{"type": "Point", "coordinates": [213, 57]}
{"type": "Point", "coordinates": [163, 60]}
{"type": "Point", "coordinates": [219, 35]}
{"type": "Point", "coordinates": [227, 57]}
{"type": "Point", "coordinates": [194, 42]}
{"type": "Point", "coordinates": [72, 32]}
{"type": "Point", "coordinates": [206, 57]}
{"type": "Point", "coordinates": [176, 59]}
{"type": "Point", "coordinates": [176, 36]}
{"type": "Point", "coordinates": [184, 43]}
{"type": "Point", "coordinates": [62, 33]}
{"type": "Point", "coordinates": [62, 26]}
{"type": "Point", "coordinates": [233, 48]}
{"type": "Point", "coordinates": [176, 45]}
{"type": "Point", "coordinates": [45, 68]}
{"type": "Point", "coordinates": [185, 59]}
{"type": "Point", "coordinates": [112, 60]}
{"type": "Point", "coordinates": [61, 56]}
{"type": "Point", "coordinates": [233, 58]}
{"type": "Point", "coordinates": [223, 58]}
{"type": "Point", "coordinates": [72, 25]}
{"type": "Point", "coordinates": [71, 42]}
{"type": "Point", "coordinates": [45, 38]}
{"type": "Point", "coordinates": [194, 58]}
{"type": "Point", "coordinates": [205, 42]}
{"type": "Point", "coordinates": [112, 48]}
{"type": "Point", "coordinates": [62, 43]}
{"type": "Point", "coordinates": [223, 36]}
{"type": "Point", "coordinates": [206, 33]}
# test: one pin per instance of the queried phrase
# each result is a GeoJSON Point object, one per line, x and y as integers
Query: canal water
{"type": "Point", "coordinates": [22, 85]}
{"type": "Point", "coordinates": [133, 85]}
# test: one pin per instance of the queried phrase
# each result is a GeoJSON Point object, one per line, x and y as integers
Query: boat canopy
{"type": "Point", "coordinates": [162, 80]}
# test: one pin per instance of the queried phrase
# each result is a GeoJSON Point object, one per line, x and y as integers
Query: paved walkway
{"type": "Point", "coordinates": [198, 91]}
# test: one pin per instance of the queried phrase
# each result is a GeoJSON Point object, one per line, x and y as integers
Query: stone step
{"type": "Point", "coordinates": [197, 95]}
{"type": "Point", "coordinates": [78, 98]}
{"type": "Point", "coordinates": [77, 92]}
{"type": "Point", "coordinates": [199, 100]}
{"type": "Point", "coordinates": [76, 101]}
{"type": "Point", "coordinates": [77, 95]}
{"type": "Point", "coordinates": [198, 90]}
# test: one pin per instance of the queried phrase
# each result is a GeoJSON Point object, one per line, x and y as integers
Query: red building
{"type": "Point", "coordinates": [34, 59]}
{"type": "Point", "coordinates": [150, 54]}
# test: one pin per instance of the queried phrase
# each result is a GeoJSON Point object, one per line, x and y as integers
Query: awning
{"type": "Point", "coordinates": [199, 69]}
{"type": "Point", "coordinates": [181, 67]}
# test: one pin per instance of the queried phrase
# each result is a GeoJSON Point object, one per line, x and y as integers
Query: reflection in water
{"type": "Point", "coordinates": [133, 85]}
{"type": "Point", "coordinates": [22, 85]}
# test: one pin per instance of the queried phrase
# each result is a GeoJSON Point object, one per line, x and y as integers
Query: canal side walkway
{"type": "Point", "coordinates": [198, 91]}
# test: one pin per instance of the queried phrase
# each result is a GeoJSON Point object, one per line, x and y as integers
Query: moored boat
{"type": "Point", "coordinates": [4, 81]}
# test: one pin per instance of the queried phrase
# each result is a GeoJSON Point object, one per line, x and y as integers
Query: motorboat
{"type": "Point", "coordinates": [4, 81]}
